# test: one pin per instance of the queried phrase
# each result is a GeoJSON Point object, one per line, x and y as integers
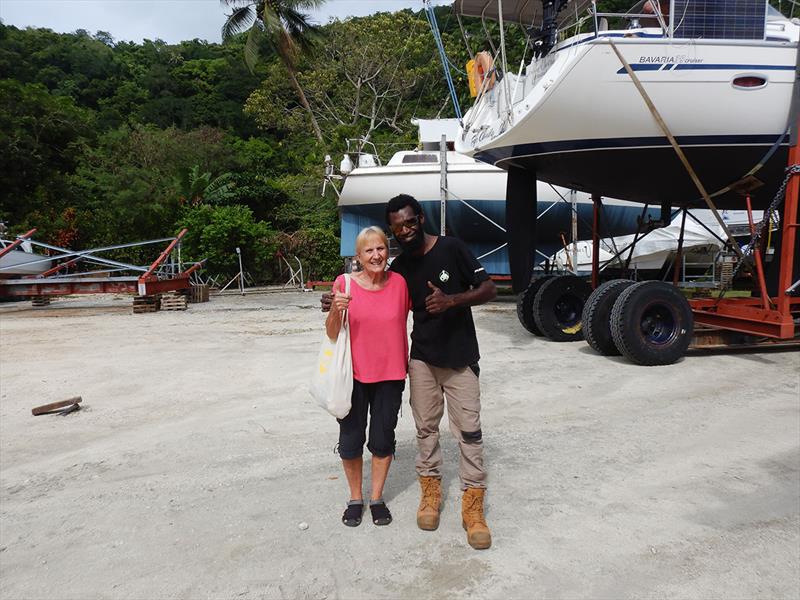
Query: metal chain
{"type": "Point", "coordinates": [765, 220]}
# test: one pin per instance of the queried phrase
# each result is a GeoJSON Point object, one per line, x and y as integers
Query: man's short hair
{"type": "Point", "coordinates": [399, 202]}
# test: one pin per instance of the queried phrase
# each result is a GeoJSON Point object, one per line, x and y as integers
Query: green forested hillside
{"type": "Point", "coordinates": [104, 142]}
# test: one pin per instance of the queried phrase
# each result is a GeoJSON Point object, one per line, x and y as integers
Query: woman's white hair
{"type": "Point", "coordinates": [369, 232]}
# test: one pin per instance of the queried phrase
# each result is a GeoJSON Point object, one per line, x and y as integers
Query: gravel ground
{"type": "Point", "coordinates": [198, 453]}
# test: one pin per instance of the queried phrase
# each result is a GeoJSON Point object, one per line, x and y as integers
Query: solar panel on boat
{"type": "Point", "coordinates": [720, 19]}
{"type": "Point", "coordinates": [420, 158]}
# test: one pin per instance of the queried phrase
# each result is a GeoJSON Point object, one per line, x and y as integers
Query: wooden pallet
{"type": "Point", "coordinates": [40, 301]}
{"type": "Point", "coordinates": [173, 301]}
{"type": "Point", "coordinates": [198, 293]}
{"type": "Point", "coordinates": [145, 304]}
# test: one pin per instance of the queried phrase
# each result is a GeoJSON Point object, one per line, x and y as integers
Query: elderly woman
{"type": "Point", "coordinates": [377, 307]}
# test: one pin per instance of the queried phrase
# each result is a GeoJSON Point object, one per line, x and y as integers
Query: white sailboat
{"type": "Point", "coordinates": [475, 199]}
{"type": "Point", "coordinates": [720, 73]}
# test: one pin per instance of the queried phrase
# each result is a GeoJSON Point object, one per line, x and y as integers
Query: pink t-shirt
{"type": "Point", "coordinates": [378, 339]}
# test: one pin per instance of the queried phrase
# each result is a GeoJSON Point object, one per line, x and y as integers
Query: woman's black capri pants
{"type": "Point", "coordinates": [382, 399]}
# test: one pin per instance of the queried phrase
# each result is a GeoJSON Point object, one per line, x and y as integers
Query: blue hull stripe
{"type": "Point", "coordinates": [712, 67]}
{"type": "Point", "coordinates": [496, 154]}
{"type": "Point", "coordinates": [705, 67]}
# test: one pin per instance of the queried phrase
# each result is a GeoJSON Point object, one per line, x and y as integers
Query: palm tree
{"type": "Point", "coordinates": [283, 27]}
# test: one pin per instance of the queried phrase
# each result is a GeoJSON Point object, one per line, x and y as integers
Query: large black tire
{"type": "Point", "coordinates": [597, 316]}
{"type": "Point", "coordinates": [558, 306]}
{"type": "Point", "coordinates": [652, 323]}
{"type": "Point", "coordinates": [525, 304]}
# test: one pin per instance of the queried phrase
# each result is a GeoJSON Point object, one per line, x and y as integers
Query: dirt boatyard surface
{"type": "Point", "coordinates": [198, 454]}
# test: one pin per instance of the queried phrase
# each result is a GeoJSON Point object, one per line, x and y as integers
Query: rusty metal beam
{"type": "Point", "coordinates": [164, 254]}
{"type": "Point", "coordinates": [789, 220]}
{"type": "Point", "coordinates": [148, 288]}
{"type": "Point", "coordinates": [106, 285]}
{"type": "Point", "coordinates": [712, 338]}
{"type": "Point", "coordinates": [20, 239]}
{"type": "Point", "coordinates": [744, 315]}
{"type": "Point", "coordinates": [32, 287]}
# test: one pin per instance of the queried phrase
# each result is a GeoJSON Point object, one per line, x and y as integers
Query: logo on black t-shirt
{"type": "Point", "coordinates": [444, 276]}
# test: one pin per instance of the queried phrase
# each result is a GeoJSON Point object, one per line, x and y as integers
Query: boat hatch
{"type": "Point", "coordinates": [417, 158]}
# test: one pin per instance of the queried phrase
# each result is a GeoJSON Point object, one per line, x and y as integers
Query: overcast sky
{"type": "Point", "coordinates": [169, 20]}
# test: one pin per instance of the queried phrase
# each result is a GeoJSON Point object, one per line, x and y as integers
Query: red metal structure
{"type": "Point", "coordinates": [20, 239]}
{"type": "Point", "coordinates": [766, 316]}
{"type": "Point", "coordinates": [152, 280]}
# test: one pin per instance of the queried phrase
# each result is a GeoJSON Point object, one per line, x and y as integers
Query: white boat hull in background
{"type": "Point", "coordinates": [17, 263]}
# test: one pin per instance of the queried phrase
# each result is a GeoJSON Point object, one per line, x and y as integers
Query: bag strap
{"type": "Point", "coordinates": [345, 320]}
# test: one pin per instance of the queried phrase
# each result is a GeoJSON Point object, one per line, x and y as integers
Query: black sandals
{"type": "Point", "coordinates": [353, 512]}
{"type": "Point", "coordinates": [380, 513]}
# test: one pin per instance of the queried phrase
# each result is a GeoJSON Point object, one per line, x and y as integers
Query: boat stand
{"type": "Point", "coordinates": [145, 282]}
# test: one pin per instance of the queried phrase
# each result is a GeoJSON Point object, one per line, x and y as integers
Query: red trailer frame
{"type": "Point", "coordinates": [766, 316]}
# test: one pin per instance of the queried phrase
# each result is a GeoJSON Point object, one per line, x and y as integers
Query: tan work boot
{"type": "Point", "coordinates": [428, 513]}
{"type": "Point", "coordinates": [478, 534]}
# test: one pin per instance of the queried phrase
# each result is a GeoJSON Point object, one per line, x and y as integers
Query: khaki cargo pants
{"type": "Point", "coordinates": [430, 386]}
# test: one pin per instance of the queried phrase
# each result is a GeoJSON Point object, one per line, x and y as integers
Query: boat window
{"type": "Point", "coordinates": [773, 14]}
{"type": "Point", "coordinates": [420, 158]}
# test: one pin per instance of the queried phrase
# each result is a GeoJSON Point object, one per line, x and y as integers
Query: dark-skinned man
{"type": "Point", "coordinates": [444, 280]}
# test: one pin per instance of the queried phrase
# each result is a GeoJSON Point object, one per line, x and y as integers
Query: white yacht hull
{"type": "Point", "coordinates": [476, 207]}
{"type": "Point", "coordinates": [581, 123]}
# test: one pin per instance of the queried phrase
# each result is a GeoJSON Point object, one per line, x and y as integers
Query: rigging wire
{"type": "Point", "coordinates": [443, 55]}
{"type": "Point", "coordinates": [464, 35]}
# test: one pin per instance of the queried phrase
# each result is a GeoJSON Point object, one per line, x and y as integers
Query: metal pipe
{"type": "Point", "coordinates": [789, 223]}
{"type": "Point", "coordinates": [500, 247]}
{"type": "Point", "coordinates": [679, 253]}
{"type": "Point", "coordinates": [20, 239]}
{"type": "Point", "coordinates": [442, 184]}
{"type": "Point", "coordinates": [165, 253]}
{"type": "Point", "coordinates": [194, 267]}
{"type": "Point", "coordinates": [89, 254]}
{"type": "Point", "coordinates": [595, 240]}
{"type": "Point", "coordinates": [503, 56]}
{"type": "Point", "coordinates": [57, 268]}
{"type": "Point", "coordinates": [241, 270]}
{"type": "Point", "coordinates": [574, 201]}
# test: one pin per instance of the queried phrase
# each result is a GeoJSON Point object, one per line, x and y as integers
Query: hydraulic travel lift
{"type": "Point", "coordinates": [769, 317]}
{"type": "Point", "coordinates": [159, 277]}
{"type": "Point", "coordinates": [741, 322]}
{"type": "Point", "coordinates": [753, 321]}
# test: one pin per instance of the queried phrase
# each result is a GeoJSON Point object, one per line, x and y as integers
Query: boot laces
{"type": "Point", "coordinates": [430, 492]}
{"type": "Point", "coordinates": [474, 507]}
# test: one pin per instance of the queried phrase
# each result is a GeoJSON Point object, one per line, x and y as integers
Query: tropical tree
{"type": "Point", "coordinates": [280, 25]}
{"type": "Point", "coordinates": [197, 187]}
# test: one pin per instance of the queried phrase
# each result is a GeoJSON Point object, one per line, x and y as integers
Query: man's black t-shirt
{"type": "Point", "coordinates": [447, 339]}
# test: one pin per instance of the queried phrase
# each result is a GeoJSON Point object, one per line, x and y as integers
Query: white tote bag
{"type": "Point", "coordinates": [332, 380]}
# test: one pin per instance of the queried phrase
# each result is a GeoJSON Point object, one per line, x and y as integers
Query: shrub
{"type": "Point", "coordinates": [216, 231]}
